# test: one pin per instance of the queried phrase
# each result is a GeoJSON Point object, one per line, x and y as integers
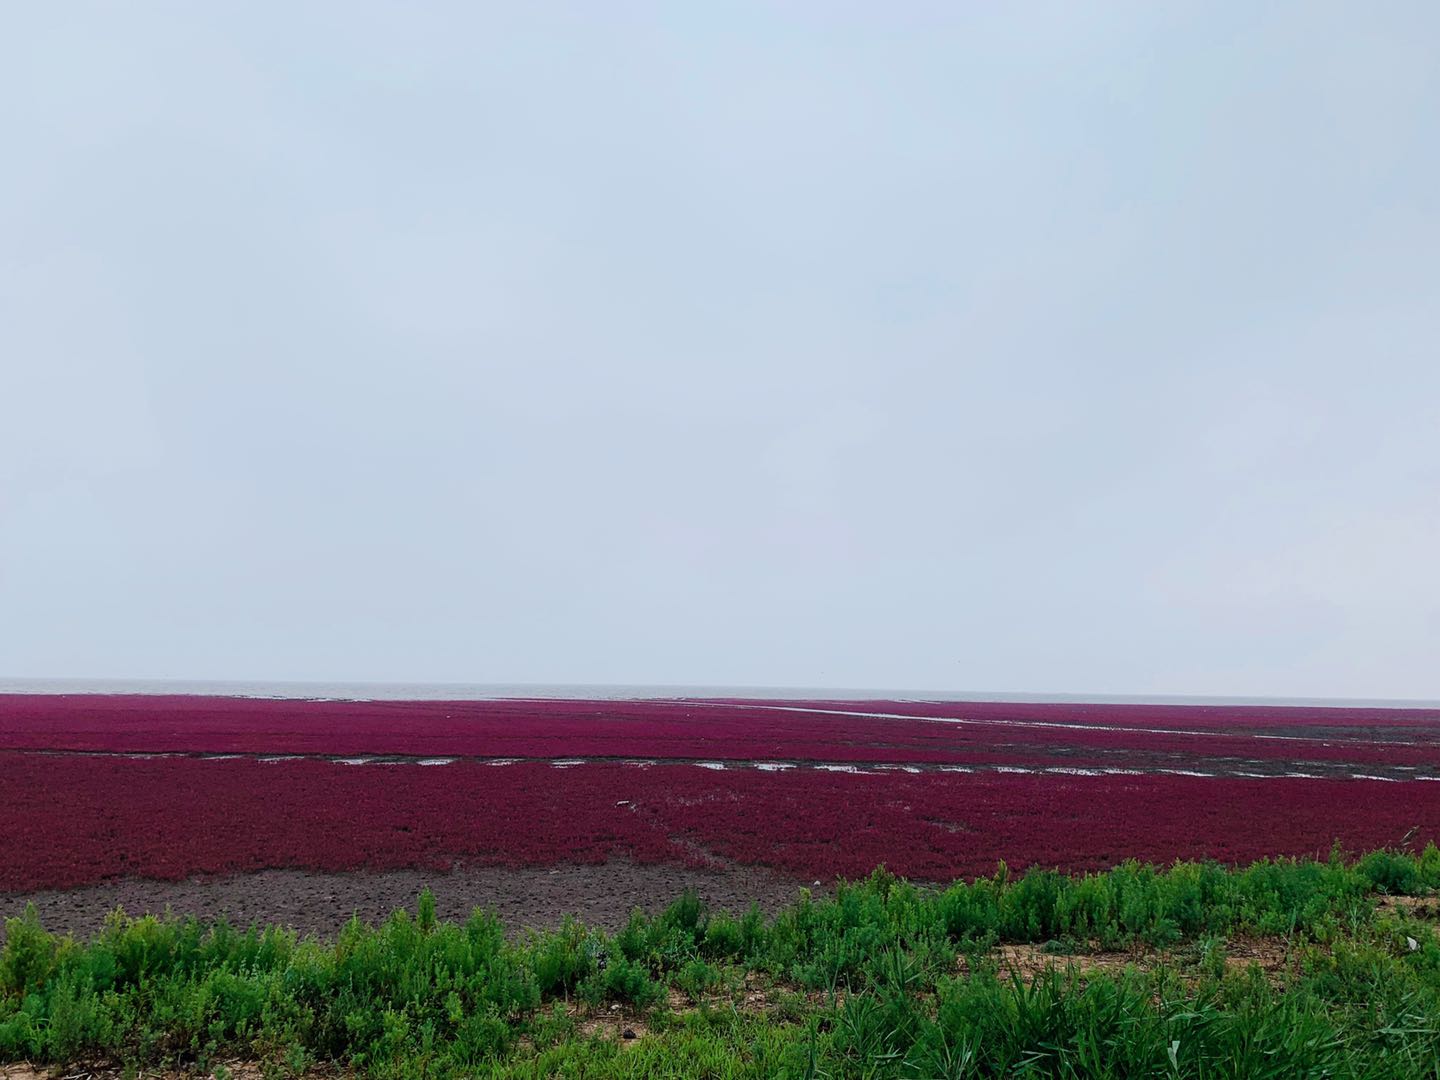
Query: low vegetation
{"type": "Point", "coordinates": [182, 816]}
{"type": "Point", "coordinates": [814, 789]}
{"type": "Point", "coordinates": [1135, 972]}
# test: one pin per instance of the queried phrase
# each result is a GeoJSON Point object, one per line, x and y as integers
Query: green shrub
{"type": "Point", "coordinates": [415, 996]}
{"type": "Point", "coordinates": [29, 956]}
{"type": "Point", "coordinates": [1390, 872]}
{"type": "Point", "coordinates": [697, 978]}
{"type": "Point", "coordinates": [625, 980]}
{"type": "Point", "coordinates": [561, 959]}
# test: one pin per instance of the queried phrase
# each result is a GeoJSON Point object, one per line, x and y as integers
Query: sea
{"type": "Point", "coordinates": [449, 691]}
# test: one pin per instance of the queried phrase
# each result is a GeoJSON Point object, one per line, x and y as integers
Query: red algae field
{"type": "Point", "coordinates": [98, 787]}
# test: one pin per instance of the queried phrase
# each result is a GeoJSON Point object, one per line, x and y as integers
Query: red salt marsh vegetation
{"type": "Point", "coordinates": [90, 818]}
{"type": "Point", "coordinates": [736, 730]}
{"type": "Point", "coordinates": [815, 789]}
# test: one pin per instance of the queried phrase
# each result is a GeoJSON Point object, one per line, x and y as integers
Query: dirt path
{"type": "Point", "coordinates": [601, 896]}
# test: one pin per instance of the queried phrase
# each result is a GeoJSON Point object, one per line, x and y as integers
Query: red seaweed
{"type": "Point", "coordinates": [76, 820]}
{"type": "Point", "coordinates": [79, 810]}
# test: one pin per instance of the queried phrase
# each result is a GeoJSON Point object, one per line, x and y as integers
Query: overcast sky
{"type": "Point", "coordinates": [1088, 348]}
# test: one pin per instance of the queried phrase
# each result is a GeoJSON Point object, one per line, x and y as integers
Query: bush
{"type": "Point", "coordinates": [1390, 872]}
{"type": "Point", "coordinates": [29, 956]}
{"type": "Point", "coordinates": [561, 959]}
{"type": "Point", "coordinates": [416, 995]}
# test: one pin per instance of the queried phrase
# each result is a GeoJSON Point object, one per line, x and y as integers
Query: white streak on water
{"type": "Point", "coordinates": [1061, 724]}
{"type": "Point", "coordinates": [967, 720]}
{"type": "Point", "coordinates": [858, 769]}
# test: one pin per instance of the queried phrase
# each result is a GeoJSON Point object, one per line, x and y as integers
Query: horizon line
{"type": "Point", "coordinates": [434, 690]}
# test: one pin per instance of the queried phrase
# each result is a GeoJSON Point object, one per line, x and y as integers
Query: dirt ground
{"type": "Point", "coordinates": [320, 904]}
{"type": "Point", "coordinates": [1425, 908]}
{"type": "Point", "coordinates": [235, 1070]}
{"type": "Point", "coordinates": [1029, 962]}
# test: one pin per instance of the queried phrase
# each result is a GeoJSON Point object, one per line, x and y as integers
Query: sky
{"type": "Point", "coordinates": [1045, 347]}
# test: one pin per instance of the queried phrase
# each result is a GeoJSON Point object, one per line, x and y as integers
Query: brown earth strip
{"type": "Point", "coordinates": [600, 895]}
{"type": "Point", "coordinates": [1273, 956]}
{"type": "Point", "coordinates": [1425, 908]}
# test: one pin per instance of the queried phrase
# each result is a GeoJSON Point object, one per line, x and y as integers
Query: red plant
{"type": "Point", "coordinates": [78, 810]}
{"type": "Point", "coordinates": [75, 820]}
{"type": "Point", "coordinates": [791, 731]}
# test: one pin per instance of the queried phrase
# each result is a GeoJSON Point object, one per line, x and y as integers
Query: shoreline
{"type": "Point", "coordinates": [362, 691]}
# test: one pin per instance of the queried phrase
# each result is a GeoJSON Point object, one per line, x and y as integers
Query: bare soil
{"type": "Point", "coordinates": [1415, 907]}
{"type": "Point", "coordinates": [1273, 956]}
{"type": "Point", "coordinates": [600, 895]}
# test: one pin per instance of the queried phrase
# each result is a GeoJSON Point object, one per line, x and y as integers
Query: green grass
{"type": "Point", "coordinates": [884, 979]}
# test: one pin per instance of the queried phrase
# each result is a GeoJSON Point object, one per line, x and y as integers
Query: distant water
{"type": "Point", "coordinates": [362, 691]}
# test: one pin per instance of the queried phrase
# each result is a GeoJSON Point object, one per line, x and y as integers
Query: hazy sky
{"type": "Point", "coordinates": [1071, 347]}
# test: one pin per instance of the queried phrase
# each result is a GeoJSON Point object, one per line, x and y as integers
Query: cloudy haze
{"type": "Point", "coordinates": [1082, 348]}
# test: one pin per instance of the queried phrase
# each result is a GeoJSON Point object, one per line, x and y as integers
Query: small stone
{"type": "Point", "coordinates": [1413, 944]}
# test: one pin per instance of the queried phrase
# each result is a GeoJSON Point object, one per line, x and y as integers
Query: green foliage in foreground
{"type": "Point", "coordinates": [885, 979]}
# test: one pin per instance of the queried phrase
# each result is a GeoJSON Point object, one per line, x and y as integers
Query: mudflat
{"type": "Point", "coordinates": [600, 895]}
